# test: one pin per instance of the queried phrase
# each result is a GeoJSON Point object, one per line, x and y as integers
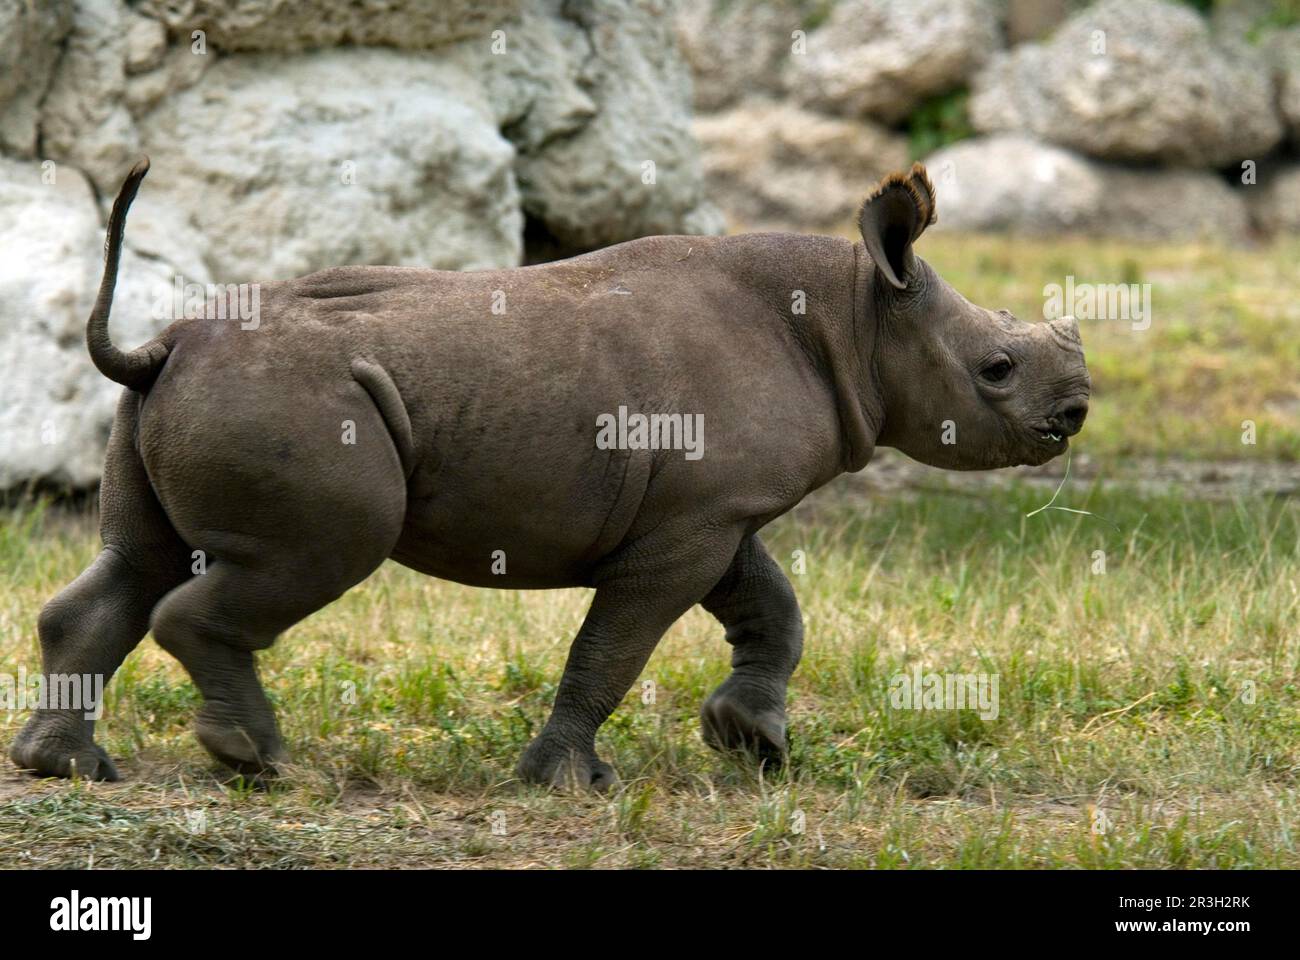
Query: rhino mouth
{"type": "Point", "coordinates": [1048, 442]}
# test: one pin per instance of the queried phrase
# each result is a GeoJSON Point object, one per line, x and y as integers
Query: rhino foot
{"type": "Point", "coordinates": [250, 753]}
{"type": "Point", "coordinates": [49, 748]}
{"type": "Point", "coordinates": [735, 719]}
{"type": "Point", "coordinates": [563, 767]}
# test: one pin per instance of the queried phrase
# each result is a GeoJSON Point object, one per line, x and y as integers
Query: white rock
{"type": "Point", "coordinates": [1275, 198]}
{"type": "Point", "coordinates": [179, 69]}
{"type": "Point", "coordinates": [774, 165]}
{"type": "Point", "coordinates": [634, 168]}
{"type": "Point", "coordinates": [737, 50]}
{"type": "Point", "coordinates": [83, 119]}
{"type": "Point", "coordinates": [30, 34]}
{"type": "Point", "coordinates": [55, 407]}
{"type": "Point", "coordinates": [1134, 80]}
{"type": "Point", "coordinates": [880, 58]}
{"type": "Point", "coordinates": [305, 24]}
{"type": "Point", "coordinates": [334, 162]}
{"type": "Point", "coordinates": [1013, 183]}
{"type": "Point", "coordinates": [1010, 182]}
{"type": "Point", "coordinates": [146, 44]}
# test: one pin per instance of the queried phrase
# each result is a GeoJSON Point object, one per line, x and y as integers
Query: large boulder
{"type": "Point", "coordinates": [1028, 20]}
{"type": "Point", "coordinates": [1275, 198]}
{"type": "Point", "coordinates": [55, 407]}
{"type": "Point", "coordinates": [30, 39]}
{"type": "Point", "coordinates": [1014, 183]}
{"type": "Point", "coordinates": [305, 24]}
{"type": "Point", "coordinates": [593, 99]}
{"type": "Point", "coordinates": [1171, 205]}
{"type": "Point", "coordinates": [775, 165]}
{"type": "Point", "coordinates": [84, 120]}
{"type": "Point", "coordinates": [880, 58]}
{"type": "Point", "coordinates": [330, 173]}
{"type": "Point", "coordinates": [633, 168]}
{"type": "Point", "coordinates": [737, 50]}
{"type": "Point", "coordinates": [1282, 53]}
{"type": "Point", "coordinates": [1134, 80]}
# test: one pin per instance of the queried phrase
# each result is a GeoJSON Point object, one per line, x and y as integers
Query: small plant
{"type": "Point", "coordinates": [937, 122]}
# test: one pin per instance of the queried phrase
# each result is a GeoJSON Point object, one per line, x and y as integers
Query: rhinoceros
{"type": "Point", "coordinates": [627, 420]}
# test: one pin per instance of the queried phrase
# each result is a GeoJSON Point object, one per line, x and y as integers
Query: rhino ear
{"type": "Point", "coordinates": [891, 219]}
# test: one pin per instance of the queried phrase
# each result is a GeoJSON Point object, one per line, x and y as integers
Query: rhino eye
{"type": "Point", "coordinates": [997, 371]}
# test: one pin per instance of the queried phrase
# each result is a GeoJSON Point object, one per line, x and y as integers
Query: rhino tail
{"type": "Point", "coordinates": [137, 368]}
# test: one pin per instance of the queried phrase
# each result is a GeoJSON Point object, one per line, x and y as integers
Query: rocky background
{"type": "Point", "coordinates": [287, 137]}
{"type": "Point", "coordinates": [1144, 119]}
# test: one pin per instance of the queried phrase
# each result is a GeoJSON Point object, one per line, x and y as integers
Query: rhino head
{"type": "Point", "coordinates": [961, 386]}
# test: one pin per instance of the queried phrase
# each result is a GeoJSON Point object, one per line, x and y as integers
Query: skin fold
{"type": "Point", "coordinates": [449, 421]}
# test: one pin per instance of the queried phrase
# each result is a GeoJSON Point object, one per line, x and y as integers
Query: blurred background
{"type": "Point", "coordinates": [1126, 141]}
{"type": "Point", "coordinates": [1118, 119]}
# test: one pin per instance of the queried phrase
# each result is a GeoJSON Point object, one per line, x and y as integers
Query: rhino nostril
{"type": "Point", "coordinates": [1071, 417]}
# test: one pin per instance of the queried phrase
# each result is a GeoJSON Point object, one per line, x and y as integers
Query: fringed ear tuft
{"type": "Point", "coordinates": [893, 217]}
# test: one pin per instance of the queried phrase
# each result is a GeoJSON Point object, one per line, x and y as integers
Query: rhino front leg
{"type": "Point", "coordinates": [641, 591]}
{"type": "Point", "coordinates": [757, 605]}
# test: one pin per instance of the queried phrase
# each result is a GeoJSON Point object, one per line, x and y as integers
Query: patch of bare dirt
{"type": "Point", "coordinates": [891, 472]}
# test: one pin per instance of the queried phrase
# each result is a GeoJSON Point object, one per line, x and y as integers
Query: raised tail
{"type": "Point", "coordinates": [137, 368]}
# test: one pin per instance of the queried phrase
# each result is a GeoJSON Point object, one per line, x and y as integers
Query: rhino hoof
{"type": "Point", "coordinates": [239, 750]}
{"type": "Point", "coordinates": [53, 756]}
{"type": "Point", "coordinates": [729, 726]}
{"type": "Point", "coordinates": [564, 769]}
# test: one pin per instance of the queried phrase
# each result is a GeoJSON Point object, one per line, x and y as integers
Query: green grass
{"type": "Point", "coordinates": [1162, 692]}
{"type": "Point", "coordinates": [937, 122]}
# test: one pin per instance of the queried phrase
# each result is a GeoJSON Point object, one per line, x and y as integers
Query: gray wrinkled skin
{"type": "Point", "coordinates": [475, 433]}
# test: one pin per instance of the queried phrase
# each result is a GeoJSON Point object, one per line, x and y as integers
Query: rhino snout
{"type": "Point", "coordinates": [1069, 417]}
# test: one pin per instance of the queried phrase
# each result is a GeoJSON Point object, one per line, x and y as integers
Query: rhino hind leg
{"type": "Point", "coordinates": [213, 624]}
{"type": "Point", "coordinates": [289, 512]}
{"type": "Point", "coordinates": [88, 629]}
{"type": "Point", "coordinates": [756, 604]}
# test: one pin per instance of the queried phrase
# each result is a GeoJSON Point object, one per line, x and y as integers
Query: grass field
{"type": "Point", "coordinates": [1161, 692]}
{"type": "Point", "coordinates": [1148, 715]}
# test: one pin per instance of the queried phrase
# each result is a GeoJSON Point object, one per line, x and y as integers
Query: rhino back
{"type": "Point", "coordinates": [505, 373]}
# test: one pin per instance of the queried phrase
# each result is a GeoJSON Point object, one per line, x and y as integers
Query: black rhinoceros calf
{"type": "Point", "coordinates": [626, 420]}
